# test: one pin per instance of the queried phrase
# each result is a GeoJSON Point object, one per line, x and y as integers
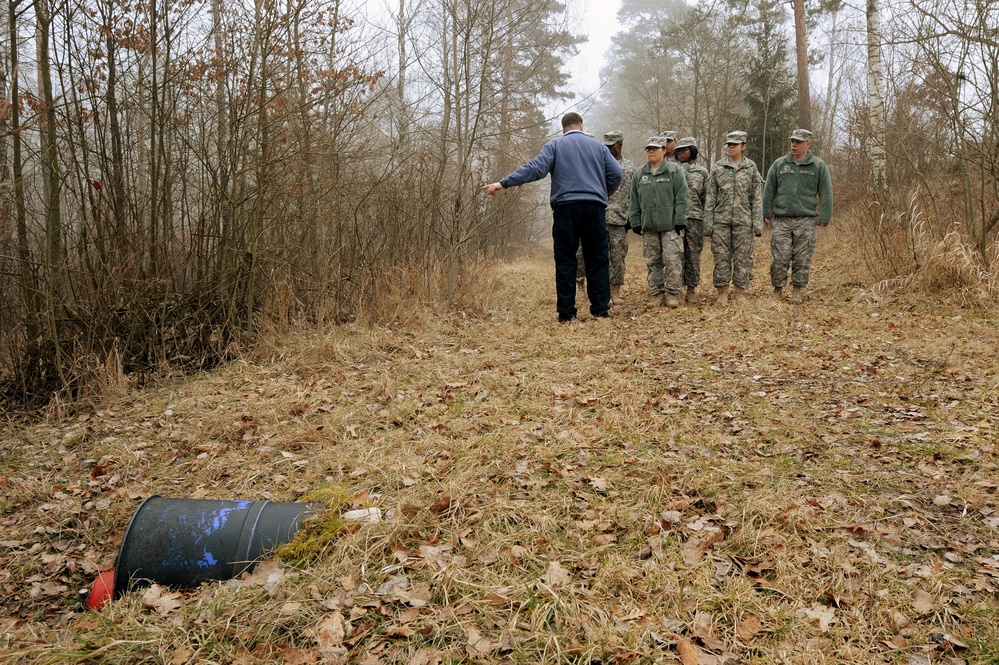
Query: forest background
{"type": "Point", "coordinates": [177, 174]}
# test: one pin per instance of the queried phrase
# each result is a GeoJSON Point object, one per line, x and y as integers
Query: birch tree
{"type": "Point", "coordinates": [875, 99]}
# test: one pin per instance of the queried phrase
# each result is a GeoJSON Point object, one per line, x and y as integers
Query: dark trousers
{"type": "Point", "coordinates": [581, 223]}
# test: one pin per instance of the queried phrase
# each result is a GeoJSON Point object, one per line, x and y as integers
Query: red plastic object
{"type": "Point", "coordinates": [102, 590]}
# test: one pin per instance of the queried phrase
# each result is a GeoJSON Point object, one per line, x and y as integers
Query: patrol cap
{"type": "Point", "coordinates": [669, 135]}
{"type": "Point", "coordinates": [686, 142]}
{"type": "Point", "coordinates": [610, 138]}
{"type": "Point", "coordinates": [735, 137]}
{"type": "Point", "coordinates": [655, 142]}
{"type": "Point", "coordinates": [801, 135]}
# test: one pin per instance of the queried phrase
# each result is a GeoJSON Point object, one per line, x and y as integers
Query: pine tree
{"type": "Point", "coordinates": [771, 99]}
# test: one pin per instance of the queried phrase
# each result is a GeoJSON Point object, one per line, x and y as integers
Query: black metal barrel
{"type": "Point", "coordinates": [184, 542]}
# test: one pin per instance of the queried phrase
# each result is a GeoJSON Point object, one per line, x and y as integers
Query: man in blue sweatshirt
{"type": "Point", "coordinates": [584, 174]}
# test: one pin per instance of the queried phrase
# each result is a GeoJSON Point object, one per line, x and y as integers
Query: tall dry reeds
{"type": "Point", "coordinates": [902, 251]}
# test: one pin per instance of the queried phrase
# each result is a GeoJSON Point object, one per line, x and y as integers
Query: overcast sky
{"type": "Point", "coordinates": [599, 22]}
{"type": "Point", "coordinates": [597, 19]}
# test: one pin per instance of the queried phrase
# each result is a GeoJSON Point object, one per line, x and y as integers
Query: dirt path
{"type": "Point", "coordinates": [757, 484]}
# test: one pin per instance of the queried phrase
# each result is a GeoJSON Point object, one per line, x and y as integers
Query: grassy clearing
{"type": "Point", "coordinates": [760, 484]}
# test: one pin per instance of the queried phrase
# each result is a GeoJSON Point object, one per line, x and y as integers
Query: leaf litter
{"type": "Point", "coordinates": [759, 484]}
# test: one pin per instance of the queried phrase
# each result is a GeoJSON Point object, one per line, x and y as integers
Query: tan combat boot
{"type": "Point", "coordinates": [671, 301]}
{"type": "Point", "coordinates": [722, 295]}
{"type": "Point", "coordinates": [691, 296]}
{"type": "Point", "coordinates": [778, 293]}
{"type": "Point", "coordinates": [740, 293]}
{"type": "Point", "coordinates": [615, 293]}
{"type": "Point", "coordinates": [797, 294]}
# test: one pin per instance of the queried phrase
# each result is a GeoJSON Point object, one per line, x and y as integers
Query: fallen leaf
{"type": "Point", "coordinates": [497, 599]}
{"type": "Point", "coordinates": [45, 589]}
{"type": "Point", "coordinates": [268, 574]}
{"type": "Point", "coordinates": [330, 631]}
{"type": "Point", "coordinates": [898, 642]}
{"type": "Point", "coordinates": [599, 484]}
{"type": "Point", "coordinates": [478, 644]}
{"type": "Point", "coordinates": [293, 656]}
{"type": "Point", "coordinates": [819, 614]}
{"type": "Point", "coordinates": [158, 599]}
{"type": "Point", "coordinates": [557, 576]}
{"type": "Point", "coordinates": [442, 505]}
{"type": "Point", "coordinates": [291, 609]}
{"type": "Point", "coordinates": [410, 615]}
{"type": "Point", "coordinates": [953, 642]}
{"type": "Point", "coordinates": [748, 627]}
{"type": "Point", "coordinates": [427, 656]}
{"type": "Point", "coordinates": [181, 656]}
{"type": "Point", "coordinates": [399, 631]}
{"type": "Point", "coordinates": [689, 654]}
{"type": "Point", "coordinates": [420, 595]}
{"type": "Point", "coordinates": [703, 627]}
{"type": "Point", "coordinates": [695, 548]}
{"type": "Point", "coordinates": [602, 539]}
{"type": "Point", "coordinates": [922, 602]}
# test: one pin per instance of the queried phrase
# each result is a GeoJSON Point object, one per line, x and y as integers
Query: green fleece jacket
{"type": "Point", "coordinates": [658, 198]}
{"type": "Point", "coordinates": [798, 190]}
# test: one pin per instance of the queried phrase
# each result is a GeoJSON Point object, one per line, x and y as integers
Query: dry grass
{"type": "Point", "coordinates": [762, 484]}
{"type": "Point", "coordinates": [902, 254]}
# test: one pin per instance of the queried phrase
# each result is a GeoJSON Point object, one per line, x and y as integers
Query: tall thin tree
{"type": "Point", "coordinates": [875, 98]}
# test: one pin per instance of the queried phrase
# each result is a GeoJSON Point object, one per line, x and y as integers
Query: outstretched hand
{"type": "Point", "coordinates": [492, 188]}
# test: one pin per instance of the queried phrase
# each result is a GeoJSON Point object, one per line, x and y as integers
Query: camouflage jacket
{"type": "Point", "coordinates": [697, 179]}
{"type": "Point", "coordinates": [734, 195]}
{"type": "Point", "coordinates": [617, 207]}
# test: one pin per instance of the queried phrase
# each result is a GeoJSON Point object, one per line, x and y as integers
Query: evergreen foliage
{"type": "Point", "coordinates": [771, 92]}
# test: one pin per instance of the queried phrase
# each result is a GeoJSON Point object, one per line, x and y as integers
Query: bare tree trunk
{"type": "Point", "coordinates": [118, 200]}
{"type": "Point", "coordinates": [833, 84]}
{"type": "Point", "coordinates": [50, 170]}
{"type": "Point", "coordinates": [262, 141]}
{"type": "Point", "coordinates": [402, 119]}
{"type": "Point", "coordinates": [875, 87]}
{"type": "Point", "coordinates": [801, 48]}
{"type": "Point", "coordinates": [154, 130]}
{"type": "Point", "coordinates": [29, 282]}
{"type": "Point", "coordinates": [222, 223]}
{"type": "Point", "coordinates": [4, 133]}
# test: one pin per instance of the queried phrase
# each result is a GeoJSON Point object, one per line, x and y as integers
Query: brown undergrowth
{"type": "Point", "coordinates": [765, 483]}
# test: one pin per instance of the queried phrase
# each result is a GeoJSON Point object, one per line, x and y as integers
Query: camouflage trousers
{"type": "Point", "coordinates": [663, 254]}
{"type": "Point", "coordinates": [693, 244]}
{"type": "Point", "coordinates": [792, 244]}
{"type": "Point", "coordinates": [732, 247]}
{"type": "Point", "coordinates": [617, 237]}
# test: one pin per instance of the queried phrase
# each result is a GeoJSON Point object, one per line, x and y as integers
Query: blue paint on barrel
{"type": "Point", "coordinates": [184, 542]}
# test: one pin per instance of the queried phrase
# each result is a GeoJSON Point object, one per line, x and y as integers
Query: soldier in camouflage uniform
{"type": "Point", "coordinates": [733, 214]}
{"type": "Point", "coordinates": [617, 220]}
{"type": "Point", "coordinates": [693, 238]}
{"type": "Point", "coordinates": [658, 213]}
{"type": "Point", "coordinates": [670, 137]}
{"type": "Point", "coordinates": [797, 196]}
